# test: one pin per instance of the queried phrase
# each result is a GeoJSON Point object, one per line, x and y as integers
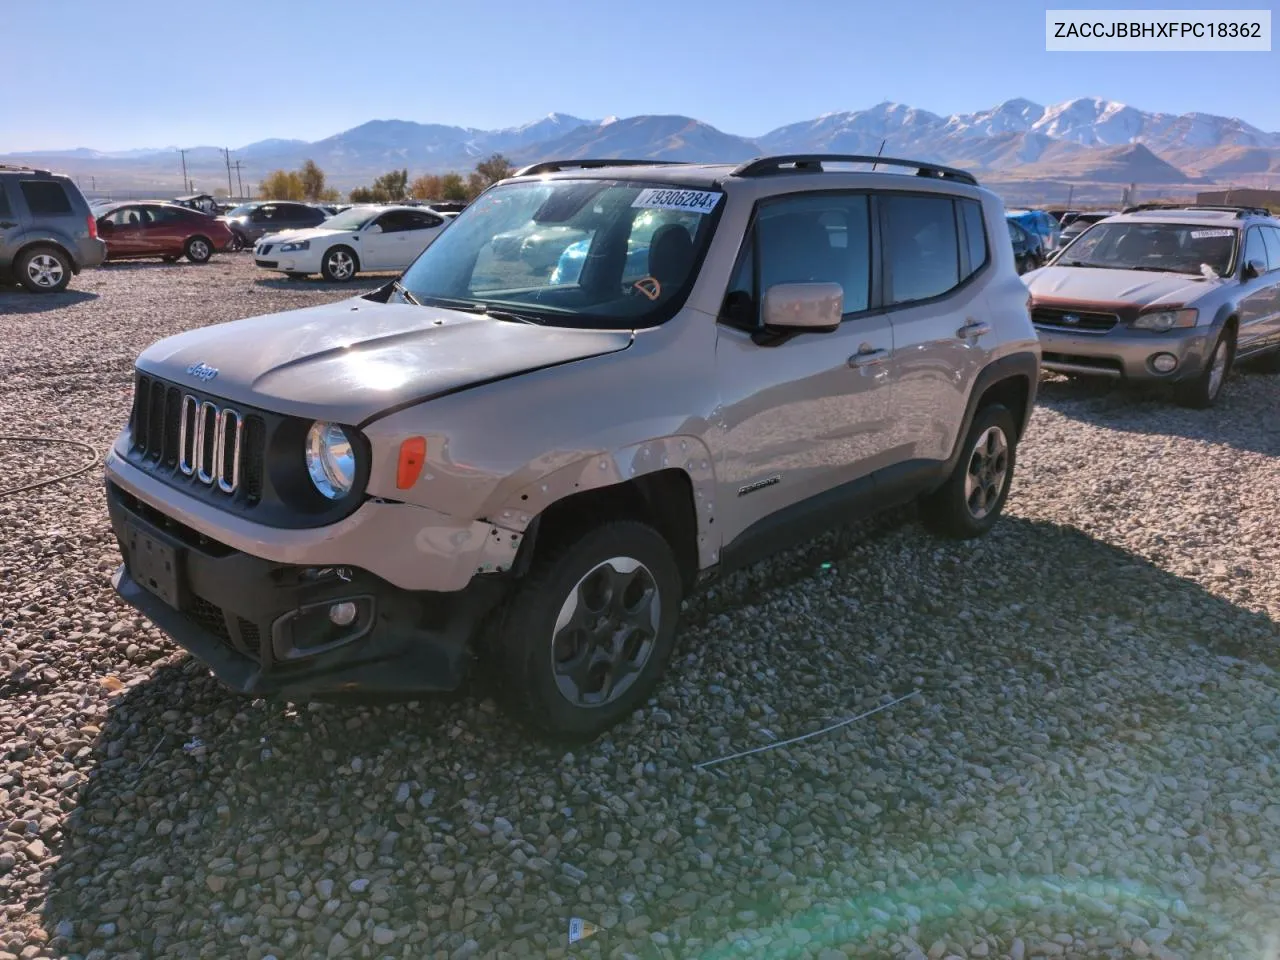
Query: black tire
{"type": "Point", "coordinates": [1204, 389]}
{"type": "Point", "coordinates": [238, 242]}
{"type": "Point", "coordinates": [199, 249]}
{"type": "Point", "coordinates": [294, 275]}
{"type": "Point", "coordinates": [532, 660]}
{"type": "Point", "coordinates": [954, 509]}
{"type": "Point", "coordinates": [339, 265]}
{"type": "Point", "coordinates": [43, 270]}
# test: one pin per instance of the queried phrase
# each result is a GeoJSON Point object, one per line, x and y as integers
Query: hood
{"type": "Point", "coordinates": [307, 233]}
{"type": "Point", "coordinates": [1083, 286]}
{"type": "Point", "coordinates": [352, 360]}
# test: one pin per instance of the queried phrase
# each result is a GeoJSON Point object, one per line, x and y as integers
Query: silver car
{"type": "Point", "coordinates": [1172, 294]}
{"type": "Point", "coordinates": [47, 232]}
{"type": "Point", "coordinates": [478, 461]}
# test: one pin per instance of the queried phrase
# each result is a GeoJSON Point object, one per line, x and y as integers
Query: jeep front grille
{"type": "Point", "coordinates": [213, 444]}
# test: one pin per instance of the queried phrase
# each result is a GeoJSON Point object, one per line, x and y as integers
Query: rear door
{"type": "Point", "coordinates": [933, 245]}
{"type": "Point", "coordinates": [804, 420]}
{"type": "Point", "coordinates": [49, 208]}
{"type": "Point", "coordinates": [123, 230]}
{"type": "Point", "coordinates": [10, 225]}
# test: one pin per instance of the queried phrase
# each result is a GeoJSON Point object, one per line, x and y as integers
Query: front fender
{"type": "Point", "coordinates": [515, 509]}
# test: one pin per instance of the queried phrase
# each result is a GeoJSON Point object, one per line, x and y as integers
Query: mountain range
{"type": "Point", "coordinates": [1085, 140]}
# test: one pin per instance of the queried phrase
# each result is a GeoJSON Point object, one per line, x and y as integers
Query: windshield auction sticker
{"type": "Point", "coordinates": [690, 201]}
{"type": "Point", "coordinates": [1206, 234]}
{"type": "Point", "coordinates": [1155, 30]}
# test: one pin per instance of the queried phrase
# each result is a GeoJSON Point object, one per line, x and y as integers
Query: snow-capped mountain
{"type": "Point", "coordinates": [1079, 139]}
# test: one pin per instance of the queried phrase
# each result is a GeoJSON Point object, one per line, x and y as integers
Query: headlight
{"type": "Point", "coordinates": [295, 245]}
{"type": "Point", "coordinates": [331, 460]}
{"type": "Point", "coordinates": [1162, 320]}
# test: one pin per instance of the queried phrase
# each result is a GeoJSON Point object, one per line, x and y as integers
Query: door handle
{"type": "Point", "coordinates": [973, 329]}
{"type": "Point", "coordinates": [868, 358]}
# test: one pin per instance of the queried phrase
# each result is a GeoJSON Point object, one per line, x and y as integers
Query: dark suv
{"type": "Point", "coordinates": [47, 232]}
{"type": "Point", "coordinates": [253, 221]}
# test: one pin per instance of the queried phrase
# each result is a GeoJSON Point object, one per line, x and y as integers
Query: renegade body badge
{"type": "Point", "coordinates": [759, 484]}
{"type": "Point", "coordinates": [202, 371]}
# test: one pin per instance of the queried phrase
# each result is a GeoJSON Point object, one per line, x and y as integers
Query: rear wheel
{"type": "Point", "coordinates": [199, 250]}
{"type": "Point", "coordinates": [339, 265]}
{"type": "Point", "coordinates": [587, 632]}
{"type": "Point", "coordinates": [1204, 389]}
{"type": "Point", "coordinates": [971, 500]}
{"type": "Point", "coordinates": [237, 241]}
{"type": "Point", "coordinates": [43, 270]}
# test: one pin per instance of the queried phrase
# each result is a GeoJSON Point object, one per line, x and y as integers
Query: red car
{"type": "Point", "coordinates": [164, 230]}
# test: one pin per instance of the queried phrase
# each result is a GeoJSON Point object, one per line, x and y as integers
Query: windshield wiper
{"type": "Point", "coordinates": [510, 315]}
{"type": "Point", "coordinates": [404, 292]}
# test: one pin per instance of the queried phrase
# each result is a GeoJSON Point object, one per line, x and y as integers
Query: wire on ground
{"type": "Point", "coordinates": [93, 459]}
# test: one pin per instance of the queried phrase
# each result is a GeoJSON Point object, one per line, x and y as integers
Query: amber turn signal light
{"type": "Point", "coordinates": [413, 454]}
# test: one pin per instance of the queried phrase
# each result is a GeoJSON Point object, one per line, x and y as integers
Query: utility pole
{"type": "Point", "coordinates": [227, 153]}
{"type": "Point", "coordinates": [1070, 193]}
{"type": "Point", "coordinates": [186, 184]}
{"type": "Point", "coordinates": [239, 182]}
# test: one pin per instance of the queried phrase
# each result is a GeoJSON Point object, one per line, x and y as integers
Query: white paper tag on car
{"type": "Point", "coordinates": [691, 201]}
{"type": "Point", "coordinates": [1205, 234]}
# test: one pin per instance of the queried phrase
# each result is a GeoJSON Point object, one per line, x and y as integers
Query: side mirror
{"type": "Point", "coordinates": [1252, 270]}
{"type": "Point", "coordinates": [800, 307]}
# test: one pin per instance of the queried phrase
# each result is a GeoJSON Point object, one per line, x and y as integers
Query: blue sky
{"type": "Point", "coordinates": [233, 72]}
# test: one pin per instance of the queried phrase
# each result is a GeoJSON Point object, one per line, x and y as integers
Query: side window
{"type": "Point", "coordinates": [1255, 247]}
{"type": "Point", "coordinates": [816, 238]}
{"type": "Point", "coordinates": [5, 209]}
{"type": "Point", "coordinates": [45, 197]}
{"type": "Point", "coordinates": [425, 221]}
{"type": "Point", "coordinates": [1271, 237]}
{"type": "Point", "coordinates": [394, 221]}
{"type": "Point", "coordinates": [921, 249]}
{"type": "Point", "coordinates": [263, 214]}
{"type": "Point", "coordinates": [975, 233]}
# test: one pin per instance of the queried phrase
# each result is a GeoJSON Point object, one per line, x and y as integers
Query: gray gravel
{"type": "Point", "coordinates": [1090, 768]}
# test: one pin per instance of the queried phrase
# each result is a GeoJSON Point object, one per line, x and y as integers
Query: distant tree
{"type": "Point", "coordinates": [452, 187]}
{"type": "Point", "coordinates": [282, 185]}
{"type": "Point", "coordinates": [329, 195]}
{"type": "Point", "coordinates": [426, 187]}
{"type": "Point", "coordinates": [312, 181]}
{"type": "Point", "coordinates": [392, 186]}
{"type": "Point", "coordinates": [496, 168]}
{"type": "Point", "coordinates": [361, 195]}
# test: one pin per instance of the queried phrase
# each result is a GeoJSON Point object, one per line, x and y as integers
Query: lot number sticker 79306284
{"type": "Point", "coordinates": [690, 201]}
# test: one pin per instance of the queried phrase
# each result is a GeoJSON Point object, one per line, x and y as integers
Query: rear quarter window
{"type": "Point", "coordinates": [45, 197]}
{"type": "Point", "coordinates": [5, 209]}
{"type": "Point", "coordinates": [975, 234]}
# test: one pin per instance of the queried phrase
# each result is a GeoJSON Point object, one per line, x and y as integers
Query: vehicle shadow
{"type": "Point", "coordinates": [363, 283]}
{"type": "Point", "coordinates": [15, 300]}
{"type": "Point", "coordinates": [225, 825]}
{"type": "Point", "coordinates": [1151, 409]}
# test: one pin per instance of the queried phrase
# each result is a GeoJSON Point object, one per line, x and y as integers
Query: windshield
{"type": "Point", "coordinates": [243, 210]}
{"type": "Point", "coordinates": [1166, 247]}
{"type": "Point", "coordinates": [586, 253]}
{"type": "Point", "coordinates": [353, 218]}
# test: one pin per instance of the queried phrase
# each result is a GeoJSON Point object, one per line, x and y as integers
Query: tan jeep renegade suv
{"type": "Point", "coordinates": [530, 458]}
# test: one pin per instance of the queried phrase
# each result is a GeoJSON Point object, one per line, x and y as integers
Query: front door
{"type": "Point", "coordinates": [1257, 300]}
{"type": "Point", "coordinates": [125, 234]}
{"type": "Point", "coordinates": [804, 421]}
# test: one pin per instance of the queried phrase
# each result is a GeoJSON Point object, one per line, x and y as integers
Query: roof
{"type": "Point", "coordinates": [1217, 218]}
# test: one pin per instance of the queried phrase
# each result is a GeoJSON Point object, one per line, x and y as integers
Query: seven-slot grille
{"type": "Point", "coordinates": [217, 446]}
{"type": "Point", "coordinates": [1073, 320]}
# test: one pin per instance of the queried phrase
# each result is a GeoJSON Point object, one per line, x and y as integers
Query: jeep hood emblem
{"type": "Point", "coordinates": [202, 371]}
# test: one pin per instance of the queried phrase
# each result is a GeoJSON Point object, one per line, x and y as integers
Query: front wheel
{"type": "Point", "coordinates": [339, 265]}
{"type": "Point", "coordinates": [1204, 389]}
{"type": "Point", "coordinates": [199, 250]}
{"type": "Point", "coordinates": [586, 634]}
{"type": "Point", "coordinates": [970, 501]}
{"type": "Point", "coordinates": [43, 270]}
{"type": "Point", "coordinates": [237, 242]}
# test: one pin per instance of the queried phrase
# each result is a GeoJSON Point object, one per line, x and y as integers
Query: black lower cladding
{"type": "Point", "coordinates": [236, 612]}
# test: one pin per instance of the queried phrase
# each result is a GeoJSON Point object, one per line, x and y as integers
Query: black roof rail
{"type": "Point", "coordinates": [812, 163]}
{"type": "Point", "coordinates": [555, 166]}
{"type": "Point", "coordinates": [21, 169]}
{"type": "Point", "coordinates": [1239, 211]}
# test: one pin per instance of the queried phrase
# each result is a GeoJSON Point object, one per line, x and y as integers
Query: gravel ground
{"type": "Point", "coordinates": [1089, 767]}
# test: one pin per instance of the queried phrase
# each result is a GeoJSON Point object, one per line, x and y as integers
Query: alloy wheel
{"type": "Point", "coordinates": [341, 265]}
{"type": "Point", "coordinates": [45, 270]}
{"type": "Point", "coordinates": [199, 249]}
{"type": "Point", "coordinates": [605, 632]}
{"type": "Point", "coordinates": [988, 468]}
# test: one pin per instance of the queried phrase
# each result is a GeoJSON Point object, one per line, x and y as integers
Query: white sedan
{"type": "Point", "coordinates": [369, 238]}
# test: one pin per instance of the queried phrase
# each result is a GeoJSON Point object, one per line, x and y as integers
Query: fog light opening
{"type": "Point", "coordinates": [1164, 363]}
{"type": "Point", "coordinates": [343, 614]}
